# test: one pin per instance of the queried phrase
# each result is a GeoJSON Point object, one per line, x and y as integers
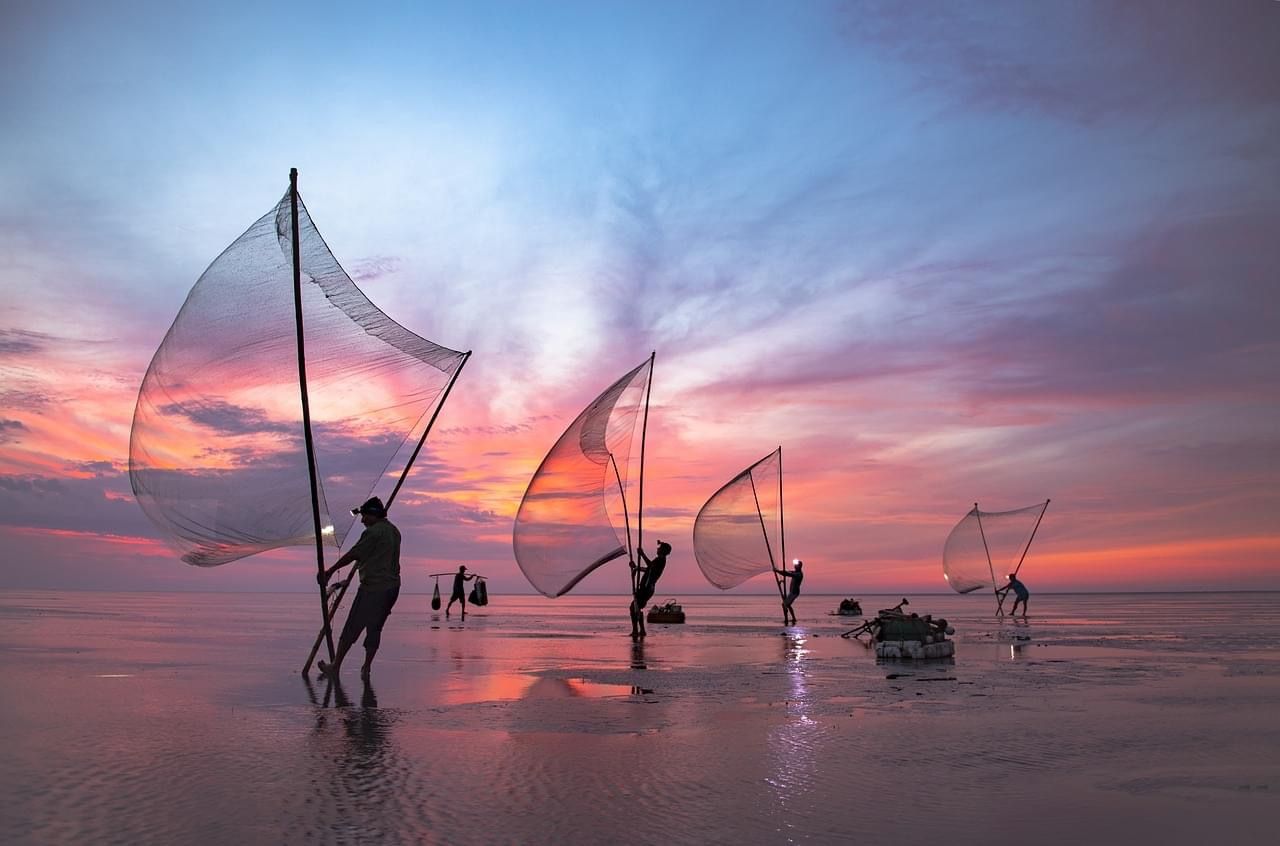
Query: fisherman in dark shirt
{"type": "Point", "coordinates": [649, 573]}
{"type": "Point", "coordinates": [377, 556]}
{"type": "Point", "coordinates": [796, 576]}
{"type": "Point", "coordinates": [460, 579]}
{"type": "Point", "coordinates": [1020, 593]}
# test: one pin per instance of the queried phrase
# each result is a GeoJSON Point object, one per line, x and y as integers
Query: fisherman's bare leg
{"type": "Point", "coordinates": [344, 646]}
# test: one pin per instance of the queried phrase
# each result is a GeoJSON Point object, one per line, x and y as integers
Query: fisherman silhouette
{"type": "Point", "coordinates": [796, 576]}
{"type": "Point", "coordinates": [1020, 593]}
{"type": "Point", "coordinates": [648, 574]}
{"type": "Point", "coordinates": [377, 556]}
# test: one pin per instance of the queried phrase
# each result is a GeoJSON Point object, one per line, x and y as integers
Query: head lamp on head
{"type": "Point", "coordinates": [372, 507]}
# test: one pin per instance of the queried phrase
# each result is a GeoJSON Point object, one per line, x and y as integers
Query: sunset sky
{"type": "Point", "coordinates": [941, 253]}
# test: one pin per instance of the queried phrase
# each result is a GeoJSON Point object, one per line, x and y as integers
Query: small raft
{"type": "Point", "coordinates": [901, 636]}
{"type": "Point", "coordinates": [668, 612]}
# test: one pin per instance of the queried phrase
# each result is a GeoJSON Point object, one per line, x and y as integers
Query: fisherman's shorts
{"type": "Point", "coordinates": [368, 614]}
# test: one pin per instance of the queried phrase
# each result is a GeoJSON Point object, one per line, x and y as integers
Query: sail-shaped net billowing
{"type": "Point", "coordinates": [574, 516]}
{"type": "Point", "coordinates": [986, 546]}
{"type": "Point", "coordinates": [738, 533]}
{"type": "Point", "coordinates": [216, 455]}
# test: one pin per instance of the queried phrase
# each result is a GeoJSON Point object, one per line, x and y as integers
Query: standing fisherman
{"type": "Point", "coordinates": [650, 572]}
{"type": "Point", "coordinates": [796, 576]}
{"type": "Point", "coordinates": [377, 556]}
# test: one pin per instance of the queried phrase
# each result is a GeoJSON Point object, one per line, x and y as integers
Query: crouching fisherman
{"type": "Point", "coordinates": [647, 575]}
{"type": "Point", "coordinates": [377, 556]}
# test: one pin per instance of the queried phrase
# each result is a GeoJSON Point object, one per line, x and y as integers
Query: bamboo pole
{"type": "Point", "coordinates": [326, 632]}
{"type": "Point", "coordinates": [644, 428]}
{"type": "Point", "coordinates": [990, 567]}
{"type": "Point", "coordinates": [777, 579]}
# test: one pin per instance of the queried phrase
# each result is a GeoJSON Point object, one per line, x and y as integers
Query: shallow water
{"type": "Point", "coordinates": [167, 718]}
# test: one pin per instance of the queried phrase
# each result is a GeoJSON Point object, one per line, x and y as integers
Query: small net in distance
{"type": "Point", "coordinates": [217, 457]}
{"type": "Point", "coordinates": [738, 532]}
{"type": "Point", "coordinates": [574, 515]}
{"type": "Point", "coordinates": [1004, 535]}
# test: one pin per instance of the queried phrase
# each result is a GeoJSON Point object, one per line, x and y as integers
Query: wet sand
{"type": "Point", "coordinates": [164, 718]}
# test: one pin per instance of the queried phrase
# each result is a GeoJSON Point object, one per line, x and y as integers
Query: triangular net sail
{"type": "Point", "coordinates": [738, 533]}
{"type": "Point", "coordinates": [573, 517]}
{"type": "Point", "coordinates": [1007, 535]}
{"type": "Point", "coordinates": [216, 453]}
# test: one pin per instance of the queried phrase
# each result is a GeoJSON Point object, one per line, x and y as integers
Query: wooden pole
{"type": "Point", "coordinates": [326, 632]}
{"type": "Point", "coordinates": [644, 428]}
{"type": "Point", "coordinates": [782, 536]}
{"type": "Point", "coordinates": [990, 567]}
{"type": "Point", "coordinates": [626, 520]}
{"type": "Point", "coordinates": [346, 583]}
{"type": "Point", "coordinates": [777, 580]}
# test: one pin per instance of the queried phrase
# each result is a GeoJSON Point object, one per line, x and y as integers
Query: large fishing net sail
{"type": "Point", "coordinates": [216, 453]}
{"type": "Point", "coordinates": [738, 533]}
{"type": "Point", "coordinates": [986, 546]}
{"type": "Point", "coordinates": [574, 515]}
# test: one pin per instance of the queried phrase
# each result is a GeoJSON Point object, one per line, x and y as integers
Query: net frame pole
{"type": "Point", "coordinates": [626, 521]}
{"type": "Point", "coordinates": [404, 474]}
{"type": "Point", "coordinates": [644, 429]}
{"type": "Point", "coordinates": [990, 567]}
{"type": "Point", "coordinates": [777, 580]}
{"type": "Point", "coordinates": [1023, 557]}
{"type": "Point", "coordinates": [782, 537]}
{"type": "Point", "coordinates": [306, 408]}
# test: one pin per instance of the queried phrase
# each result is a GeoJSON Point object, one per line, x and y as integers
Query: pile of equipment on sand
{"type": "Point", "coordinates": [668, 612]}
{"type": "Point", "coordinates": [897, 634]}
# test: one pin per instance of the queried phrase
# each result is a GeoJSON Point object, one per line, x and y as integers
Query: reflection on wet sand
{"type": "Point", "coordinates": [792, 744]}
{"type": "Point", "coordinates": [354, 765]}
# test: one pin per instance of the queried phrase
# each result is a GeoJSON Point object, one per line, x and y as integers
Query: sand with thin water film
{"type": "Point", "coordinates": [165, 718]}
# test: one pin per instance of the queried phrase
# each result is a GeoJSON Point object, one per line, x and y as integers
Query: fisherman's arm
{"type": "Point", "coordinates": [346, 559]}
{"type": "Point", "coordinates": [360, 550]}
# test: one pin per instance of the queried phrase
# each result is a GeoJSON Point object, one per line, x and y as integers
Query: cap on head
{"type": "Point", "coordinates": [372, 506]}
{"type": "Point", "coordinates": [664, 548]}
{"type": "Point", "coordinates": [462, 566]}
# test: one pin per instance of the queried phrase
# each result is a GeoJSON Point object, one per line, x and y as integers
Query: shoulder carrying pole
{"type": "Point", "coordinates": [306, 406]}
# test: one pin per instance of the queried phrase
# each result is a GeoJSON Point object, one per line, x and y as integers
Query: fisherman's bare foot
{"type": "Point", "coordinates": [326, 669]}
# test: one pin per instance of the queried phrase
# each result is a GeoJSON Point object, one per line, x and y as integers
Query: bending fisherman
{"type": "Point", "coordinates": [1020, 592]}
{"type": "Point", "coordinates": [649, 573]}
{"type": "Point", "coordinates": [796, 576]}
{"type": "Point", "coordinates": [377, 556]}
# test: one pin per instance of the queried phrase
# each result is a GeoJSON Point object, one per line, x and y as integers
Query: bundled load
{"type": "Point", "coordinates": [479, 593]}
{"type": "Point", "coordinates": [897, 634]}
{"type": "Point", "coordinates": [668, 612]}
{"type": "Point", "coordinates": [849, 608]}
